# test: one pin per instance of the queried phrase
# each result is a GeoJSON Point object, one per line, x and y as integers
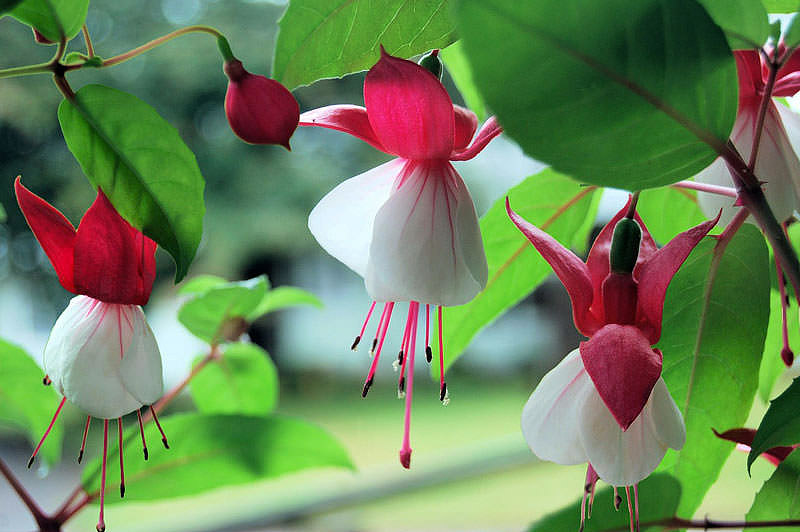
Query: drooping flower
{"type": "Point", "coordinates": [606, 402]}
{"type": "Point", "coordinates": [743, 438]}
{"type": "Point", "coordinates": [408, 227]}
{"type": "Point", "coordinates": [101, 354]}
{"type": "Point", "coordinates": [777, 164]}
{"type": "Point", "coordinates": [259, 110]}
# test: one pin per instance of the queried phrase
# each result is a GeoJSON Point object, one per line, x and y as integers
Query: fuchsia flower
{"type": "Point", "coordinates": [408, 226]}
{"type": "Point", "coordinates": [259, 110]}
{"type": "Point", "coordinates": [743, 438]}
{"type": "Point", "coordinates": [606, 403]}
{"type": "Point", "coordinates": [101, 354]}
{"type": "Point", "coordinates": [777, 164]}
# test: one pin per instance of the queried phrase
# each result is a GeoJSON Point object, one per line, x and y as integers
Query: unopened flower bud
{"type": "Point", "coordinates": [432, 63]}
{"type": "Point", "coordinates": [625, 246]}
{"type": "Point", "coordinates": [260, 110]}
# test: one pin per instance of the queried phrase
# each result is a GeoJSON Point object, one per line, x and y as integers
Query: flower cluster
{"type": "Point", "coordinates": [101, 354]}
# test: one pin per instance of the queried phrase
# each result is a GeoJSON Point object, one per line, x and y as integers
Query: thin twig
{"type": "Point", "coordinates": [38, 514]}
{"type": "Point", "coordinates": [88, 40]}
{"type": "Point", "coordinates": [762, 111]}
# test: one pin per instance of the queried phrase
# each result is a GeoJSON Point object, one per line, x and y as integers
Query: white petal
{"type": "Point", "coordinates": [791, 124]}
{"type": "Point", "coordinates": [666, 418]}
{"type": "Point", "coordinates": [550, 420]}
{"type": "Point", "coordinates": [625, 458]}
{"type": "Point", "coordinates": [141, 364]}
{"type": "Point", "coordinates": [342, 220]}
{"type": "Point", "coordinates": [83, 357]}
{"type": "Point", "coordinates": [426, 243]}
{"type": "Point", "coordinates": [777, 166]}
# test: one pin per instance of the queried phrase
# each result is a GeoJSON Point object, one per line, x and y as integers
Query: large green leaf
{"type": "Point", "coordinates": [52, 18]}
{"type": "Point", "coordinates": [243, 380]}
{"type": "Point", "coordinates": [210, 451]}
{"type": "Point", "coordinates": [283, 297]}
{"type": "Point", "coordinates": [619, 93]}
{"type": "Point", "coordinates": [744, 22]}
{"type": "Point", "coordinates": [772, 365]}
{"type": "Point", "coordinates": [781, 6]}
{"type": "Point", "coordinates": [778, 497]}
{"type": "Point", "coordinates": [712, 345]}
{"type": "Point", "coordinates": [330, 38]}
{"type": "Point", "coordinates": [8, 5]}
{"type": "Point", "coordinates": [207, 315]}
{"type": "Point", "coordinates": [668, 211]}
{"type": "Point", "coordinates": [25, 403]}
{"type": "Point", "coordinates": [658, 499]}
{"type": "Point", "coordinates": [142, 165]}
{"type": "Point", "coordinates": [780, 425]}
{"type": "Point", "coordinates": [548, 200]}
{"type": "Point", "coordinates": [458, 67]}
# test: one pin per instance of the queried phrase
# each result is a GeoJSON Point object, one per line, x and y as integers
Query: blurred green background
{"type": "Point", "coordinates": [470, 469]}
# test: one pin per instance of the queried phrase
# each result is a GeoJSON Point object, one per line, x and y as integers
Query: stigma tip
{"type": "Point", "coordinates": [428, 354]}
{"type": "Point", "coordinates": [354, 347]}
{"type": "Point", "coordinates": [100, 527]}
{"type": "Point", "coordinates": [405, 458]}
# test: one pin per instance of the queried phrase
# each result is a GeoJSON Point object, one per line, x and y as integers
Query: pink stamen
{"type": "Point", "coordinates": [354, 347]}
{"type": "Point", "coordinates": [428, 352]}
{"type": "Point", "coordinates": [121, 466]}
{"type": "Point", "coordinates": [704, 187]}
{"type": "Point", "coordinates": [141, 431]}
{"type": "Point", "coordinates": [101, 524]}
{"type": "Point", "coordinates": [404, 350]}
{"type": "Point", "coordinates": [630, 509]}
{"type": "Point", "coordinates": [405, 450]}
{"type": "Point", "coordinates": [163, 436]}
{"type": "Point", "coordinates": [787, 355]}
{"type": "Point", "coordinates": [83, 442]}
{"type": "Point", "coordinates": [636, 504]}
{"type": "Point", "coordinates": [378, 330]}
{"type": "Point", "coordinates": [46, 432]}
{"type": "Point", "coordinates": [617, 499]}
{"type": "Point", "coordinates": [588, 492]}
{"type": "Point", "coordinates": [383, 326]}
{"type": "Point", "coordinates": [442, 384]}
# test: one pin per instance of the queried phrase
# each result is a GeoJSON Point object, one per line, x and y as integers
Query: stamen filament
{"type": "Point", "coordinates": [163, 436]}
{"type": "Point", "coordinates": [46, 432]}
{"type": "Point", "coordinates": [378, 330]}
{"type": "Point", "coordinates": [787, 355]}
{"type": "Point", "coordinates": [617, 499]}
{"type": "Point", "coordinates": [630, 509]}
{"type": "Point", "coordinates": [636, 504]}
{"type": "Point", "coordinates": [83, 442]}
{"type": "Point", "coordinates": [121, 466]}
{"type": "Point", "coordinates": [406, 333]}
{"type": "Point", "coordinates": [428, 351]}
{"type": "Point", "coordinates": [442, 384]}
{"type": "Point", "coordinates": [383, 326]}
{"type": "Point", "coordinates": [141, 431]}
{"type": "Point", "coordinates": [405, 450]}
{"type": "Point", "coordinates": [101, 524]}
{"type": "Point", "coordinates": [354, 347]}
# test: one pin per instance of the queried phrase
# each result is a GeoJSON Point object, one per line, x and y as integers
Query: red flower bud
{"type": "Point", "coordinates": [260, 110]}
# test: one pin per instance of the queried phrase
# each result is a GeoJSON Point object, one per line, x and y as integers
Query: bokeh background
{"type": "Point", "coordinates": [470, 470]}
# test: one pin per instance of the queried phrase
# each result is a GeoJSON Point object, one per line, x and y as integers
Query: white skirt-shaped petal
{"type": "Point", "coordinates": [92, 343]}
{"type": "Point", "coordinates": [566, 421]}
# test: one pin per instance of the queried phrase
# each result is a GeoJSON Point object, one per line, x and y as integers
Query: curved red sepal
{"type": "Point", "coordinates": [656, 273]}
{"type": "Point", "coordinates": [53, 231]}
{"type": "Point", "coordinates": [113, 262]}
{"type": "Point", "coordinates": [744, 437]}
{"type": "Point", "coordinates": [409, 109]}
{"type": "Point", "coordinates": [624, 369]}
{"type": "Point", "coordinates": [350, 119]}
{"type": "Point", "coordinates": [598, 261]}
{"type": "Point", "coordinates": [570, 269]}
{"type": "Point", "coordinates": [749, 70]}
{"type": "Point", "coordinates": [466, 122]}
{"type": "Point", "coordinates": [489, 130]}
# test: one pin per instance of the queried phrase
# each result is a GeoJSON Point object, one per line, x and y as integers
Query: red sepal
{"type": "Point", "coordinates": [350, 119]}
{"type": "Point", "coordinates": [624, 369]}
{"type": "Point", "coordinates": [744, 437]}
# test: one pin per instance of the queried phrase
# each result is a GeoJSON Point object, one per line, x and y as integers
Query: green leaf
{"type": "Point", "coordinates": [780, 425]}
{"type": "Point", "coordinates": [781, 6]}
{"type": "Point", "coordinates": [744, 22]}
{"type": "Point", "coordinates": [792, 37]}
{"type": "Point", "coordinates": [658, 499]}
{"type": "Point", "coordinates": [207, 314]}
{"type": "Point", "coordinates": [627, 94]}
{"type": "Point", "coordinates": [778, 497]}
{"type": "Point", "coordinates": [330, 38]}
{"type": "Point", "coordinates": [25, 403]}
{"type": "Point", "coordinates": [141, 163]}
{"type": "Point", "coordinates": [283, 297]}
{"type": "Point", "coordinates": [8, 5]}
{"type": "Point", "coordinates": [210, 451]}
{"type": "Point", "coordinates": [201, 284]}
{"type": "Point", "coordinates": [772, 365]}
{"type": "Point", "coordinates": [548, 200]}
{"type": "Point", "coordinates": [711, 343]}
{"type": "Point", "coordinates": [243, 380]}
{"type": "Point", "coordinates": [456, 62]}
{"type": "Point", "coordinates": [668, 211]}
{"type": "Point", "coordinates": [54, 19]}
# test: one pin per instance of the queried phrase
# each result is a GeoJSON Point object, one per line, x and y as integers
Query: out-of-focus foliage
{"type": "Point", "coordinates": [54, 19]}
{"type": "Point", "coordinates": [744, 21]}
{"type": "Point", "coordinates": [668, 211]}
{"type": "Point", "coordinates": [777, 499]}
{"type": "Point", "coordinates": [780, 425]}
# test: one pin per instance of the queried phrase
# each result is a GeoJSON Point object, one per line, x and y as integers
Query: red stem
{"type": "Point", "coordinates": [41, 518]}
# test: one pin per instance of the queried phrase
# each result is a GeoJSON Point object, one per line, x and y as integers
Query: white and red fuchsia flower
{"type": "Point", "coordinates": [776, 164]}
{"type": "Point", "coordinates": [409, 226]}
{"type": "Point", "coordinates": [606, 403]}
{"type": "Point", "coordinates": [101, 354]}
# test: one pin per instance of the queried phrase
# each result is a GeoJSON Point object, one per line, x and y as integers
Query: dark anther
{"type": "Point", "coordinates": [401, 385]}
{"type": "Point", "coordinates": [400, 357]}
{"type": "Point", "coordinates": [355, 343]}
{"type": "Point", "coordinates": [428, 354]}
{"type": "Point", "coordinates": [80, 456]}
{"type": "Point", "coordinates": [443, 391]}
{"type": "Point", "coordinates": [366, 388]}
